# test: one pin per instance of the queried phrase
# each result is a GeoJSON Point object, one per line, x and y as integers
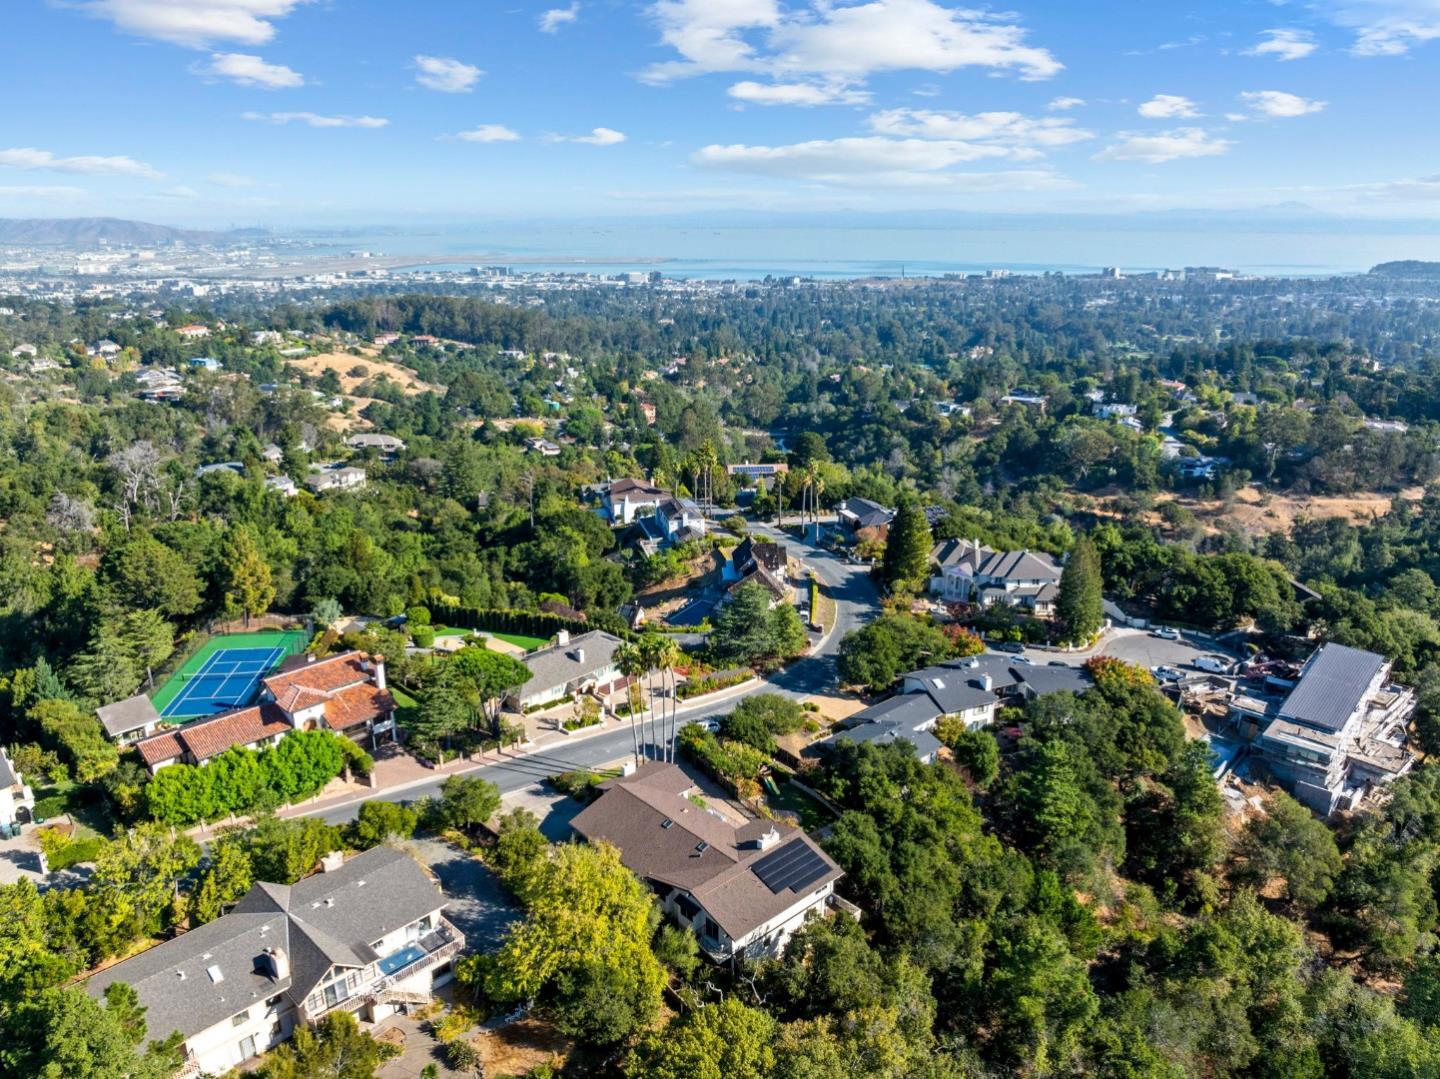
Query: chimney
{"type": "Point", "coordinates": [278, 962]}
{"type": "Point", "coordinates": [332, 861]}
{"type": "Point", "coordinates": [987, 683]}
{"type": "Point", "coordinates": [579, 655]}
{"type": "Point", "coordinates": [562, 638]}
{"type": "Point", "coordinates": [768, 840]}
{"type": "Point", "coordinates": [379, 675]}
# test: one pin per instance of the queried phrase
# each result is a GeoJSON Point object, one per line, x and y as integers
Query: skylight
{"type": "Point", "coordinates": [215, 975]}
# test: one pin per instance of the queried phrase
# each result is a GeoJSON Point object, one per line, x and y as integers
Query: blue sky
{"type": "Point", "coordinates": [277, 112]}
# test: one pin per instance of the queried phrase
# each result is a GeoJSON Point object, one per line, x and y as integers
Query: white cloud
{"type": "Point", "coordinates": [232, 179]}
{"type": "Point", "coordinates": [1010, 133]}
{"type": "Point", "coordinates": [1279, 105]}
{"type": "Point", "coordinates": [1284, 44]}
{"type": "Point", "coordinates": [180, 192]}
{"type": "Point", "coordinates": [1385, 27]}
{"type": "Point", "coordinates": [1165, 146]}
{"type": "Point", "coordinates": [599, 136]}
{"type": "Point", "coordinates": [1167, 107]}
{"type": "Point", "coordinates": [876, 161]}
{"type": "Point", "coordinates": [250, 70]}
{"type": "Point", "coordinates": [195, 23]}
{"type": "Point", "coordinates": [315, 119]}
{"type": "Point", "coordinates": [841, 42]}
{"type": "Point", "coordinates": [29, 158]}
{"type": "Point", "coordinates": [551, 21]}
{"type": "Point", "coordinates": [489, 133]}
{"type": "Point", "coordinates": [1060, 104]}
{"type": "Point", "coordinates": [797, 93]}
{"type": "Point", "coordinates": [448, 75]}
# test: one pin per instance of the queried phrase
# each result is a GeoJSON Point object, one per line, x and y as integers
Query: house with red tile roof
{"type": "Point", "coordinates": [345, 693]}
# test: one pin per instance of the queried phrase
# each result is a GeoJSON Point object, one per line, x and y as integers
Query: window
{"type": "Point", "coordinates": [241, 1019]}
{"type": "Point", "coordinates": [247, 1047]}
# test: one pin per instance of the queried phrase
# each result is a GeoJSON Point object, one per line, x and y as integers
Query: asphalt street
{"type": "Point", "coordinates": [856, 602]}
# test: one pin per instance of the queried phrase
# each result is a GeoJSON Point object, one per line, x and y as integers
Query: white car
{"type": "Point", "coordinates": [1168, 633]}
{"type": "Point", "coordinates": [1213, 664]}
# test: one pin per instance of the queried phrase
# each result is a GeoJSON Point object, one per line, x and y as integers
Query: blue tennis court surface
{"type": "Point", "coordinates": [230, 678]}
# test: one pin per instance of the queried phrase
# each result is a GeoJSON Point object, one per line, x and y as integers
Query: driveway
{"type": "Point", "coordinates": [479, 905]}
{"type": "Point", "coordinates": [1141, 648]}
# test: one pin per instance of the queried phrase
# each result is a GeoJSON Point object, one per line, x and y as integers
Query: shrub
{"type": "Point", "coordinates": [423, 636]}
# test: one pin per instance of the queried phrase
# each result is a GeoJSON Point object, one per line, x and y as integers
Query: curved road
{"type": "Point", "coordinates": [856, 602]}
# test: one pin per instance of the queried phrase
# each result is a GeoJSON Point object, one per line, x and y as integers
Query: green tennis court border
{"type": "Point", "coordinates": [293, 641]}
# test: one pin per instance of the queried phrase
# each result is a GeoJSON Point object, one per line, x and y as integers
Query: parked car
{"type": "Point", "coordinates": [1011, 647]}
{"type": "Point", "coordinates": [1168, 674]}
{"type": "Point", "coordinates": [1213, 664]}
{"type": "Point", "coordinates": [1168, 633]}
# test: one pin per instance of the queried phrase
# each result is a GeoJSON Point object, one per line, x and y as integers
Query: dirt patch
{"type": "Point", "coordinates": [1256, 511]}
{"type": "Point", "coordinates": [515, 1049]}
{"type": "Point", "coordinates": [342, 363]}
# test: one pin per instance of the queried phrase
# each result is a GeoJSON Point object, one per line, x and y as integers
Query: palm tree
{"type": "Point", "coordinates": [631, 662]}
{"type": "Point", "coordinates": [652, 650]}
{"type": "Point", "coordinates": [667, 654]}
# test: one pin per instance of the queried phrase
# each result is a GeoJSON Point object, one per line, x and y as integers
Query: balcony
{"type": "Point", "coordinates": [380, 978]}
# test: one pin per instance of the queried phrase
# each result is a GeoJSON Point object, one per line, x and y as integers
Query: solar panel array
{"type": "Point", "coordinates": [794, 865]}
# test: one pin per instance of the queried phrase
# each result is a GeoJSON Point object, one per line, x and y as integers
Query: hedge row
{"type": "Point", "coordinates": [526, 623]}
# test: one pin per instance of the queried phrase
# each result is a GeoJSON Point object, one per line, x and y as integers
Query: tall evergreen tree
{"type": "Point", "coordinates": [907, 547]}
{"type": "Point", "coordinates": [1079, 607]}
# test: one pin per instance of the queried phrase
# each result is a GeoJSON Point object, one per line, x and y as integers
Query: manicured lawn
{"type": "Point", "coordinates": [520, 640]}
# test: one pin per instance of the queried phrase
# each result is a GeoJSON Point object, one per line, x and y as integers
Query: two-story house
{"type": "Point", "coordinates": [17, 800]}
{"type": "Point", "coordinates": [675, 520]}
{"type": "Point", "coordinates": [759, 562]}
{"type": "Point", "coordinates": [367, 935]}
{"type": "Point", "coordinates": [1340, 732]}
{"type": "Point", "coordinates": [345, 693]}
{"type": "Point", "coordinates": [624, 500]}
{"type": "Point", "coordinates": [743, 888]}
{"type": "Point", "coordinates": [970, 572]}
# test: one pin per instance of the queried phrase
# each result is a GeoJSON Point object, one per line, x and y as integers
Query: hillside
{"type": "Point", "coordinates": [1411, 268]}
{"type": "Point", "coordinates": [88, 231]}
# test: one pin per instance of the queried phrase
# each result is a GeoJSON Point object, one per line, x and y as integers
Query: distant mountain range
{"type": "Point", "coordinates": [1408, 268]}
{"type": "Point", "coordinates": [89, 231]}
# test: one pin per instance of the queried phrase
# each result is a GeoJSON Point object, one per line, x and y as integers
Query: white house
{"type": "Point", "coordinates": [970, 572]}
{"type": "Point", "coordinates": [335, 478]}
{"type": "Point", "coordinates": [569, 667]}
{"type": "Point", "coordinates": [17, 801]}
{"type": "Point", "coordinates": [742, 888]}
{"type": "Point", "coordinates": [625, 499]}
{"type": "Point", "coordinates": [344, 693]}
{"type": "Point", "coordinates": [367, 936]}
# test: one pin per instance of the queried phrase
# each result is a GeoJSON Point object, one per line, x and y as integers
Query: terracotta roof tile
{"type": "Point", "coordinates": [356, 705]}
{"type": "Point", "coordinates": [325, 675]}
{"type": "Point", "coordinates": [245, 726]}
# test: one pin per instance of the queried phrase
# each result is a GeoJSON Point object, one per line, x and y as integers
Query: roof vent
{"type": "Point", "coordinates": [769, 839]}
{"type": "Point", "coordinates": [701, 847]}
{"type": "Point", "coordinates": [329, 900]}
{"type": "Point", "coordinates": [180, 974]}
{"type": "Point", "coordinates": [938, 683]}
{"type": "Point", "coordinates": [667, 823]}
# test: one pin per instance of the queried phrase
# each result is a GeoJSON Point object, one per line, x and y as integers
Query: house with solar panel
{"type": "Point", "coordinates": [366, 936]}
{"type": "Point", "coordinates": [1341, 732]}
{"type": "Point", "coordinates": [742, 885]}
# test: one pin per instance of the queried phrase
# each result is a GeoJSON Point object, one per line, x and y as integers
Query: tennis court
{"type": "Point", "coordinates": [225, 673]}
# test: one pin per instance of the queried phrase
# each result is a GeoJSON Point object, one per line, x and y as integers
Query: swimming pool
{"type": "Point", "coordinates": [403, 958]}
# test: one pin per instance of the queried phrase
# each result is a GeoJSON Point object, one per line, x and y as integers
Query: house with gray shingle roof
{"type": "Point", "coordinates": [367, 936]}
{"type": "Point", "coordinates": [129, 720]}
{"type": "Point", "coordinates": [743, 888]}
{"type": "Point", "coordinates": [970, 572]}
{"type": "Point", "coordinates": [570, 666]}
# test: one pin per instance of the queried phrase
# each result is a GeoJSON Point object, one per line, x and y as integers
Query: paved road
{"type": "Point", "coordinates": [856, 602]}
